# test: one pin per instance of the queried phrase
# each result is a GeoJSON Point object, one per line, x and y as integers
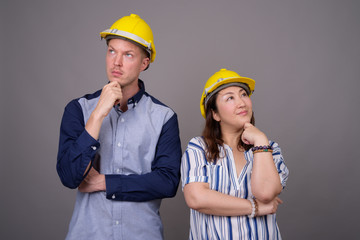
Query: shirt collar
{"type": "Point", "coordinates": [136, 98]}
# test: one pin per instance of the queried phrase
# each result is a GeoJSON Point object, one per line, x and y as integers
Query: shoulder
{"type": "Point", "coordinates": [156, 101]}
{"type": "Point", "coordinates": [157, 108]}
{"type": "Point", "coordinates": [197, 143]}
{"type": "Point", "coordinates": [82, 103]}
{"type": "Point", "coordinates": [87, 97]}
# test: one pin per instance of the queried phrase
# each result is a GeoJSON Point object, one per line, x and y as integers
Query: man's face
{"type": "Point", "coordinates": [124, 62]}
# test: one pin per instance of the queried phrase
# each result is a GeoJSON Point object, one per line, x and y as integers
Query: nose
{"type": "Point", "coordinates": [118, 60]}
{"type": "Point", "coordinates": [240, 102]}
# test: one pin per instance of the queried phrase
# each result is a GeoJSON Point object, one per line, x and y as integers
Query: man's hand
{"type": "Point", "coordinates": [111, 95]}
{"type": "Point", "coordinates": [94, 182]}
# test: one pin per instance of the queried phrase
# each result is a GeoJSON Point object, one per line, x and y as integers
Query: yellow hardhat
{"type": "Point", "coordinates": [134, 28]}
{"type": "Point", "coordinates": [220, 78]}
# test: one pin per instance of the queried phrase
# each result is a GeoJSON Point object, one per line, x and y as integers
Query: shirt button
{"type": "Point", "coordinates": [117, 222]}
{"type": "Point", "coordinates": [113, 196]}
{"type": "Point", "coordinates": [118, 170]}
{"type": "Point", "coordinates": [93, 148]}
{"type": "Point", "coordinates": [119, 144]}
{"type": "Point", "coordinates": [122, 120]}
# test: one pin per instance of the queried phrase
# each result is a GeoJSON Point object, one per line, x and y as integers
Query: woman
{"type": "Point", "coordinates": [232, 175]}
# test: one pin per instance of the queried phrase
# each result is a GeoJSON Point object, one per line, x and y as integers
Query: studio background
{"type": "Point", "coordinates": [304, 56]}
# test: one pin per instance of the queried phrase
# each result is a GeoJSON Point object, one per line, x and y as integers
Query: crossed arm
{"type": "Point", "coordinates": [200, 197]}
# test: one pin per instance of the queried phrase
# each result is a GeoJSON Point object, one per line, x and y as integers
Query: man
{"type": "Point", "coordinates": [120, 146]}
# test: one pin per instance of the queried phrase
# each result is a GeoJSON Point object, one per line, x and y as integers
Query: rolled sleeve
{"type": "Point", "coordinates": [76, 147]}
{"type": "Point", "coordinates": [280, 164]}
{"type": "Point", "coordinates": [194, 167]}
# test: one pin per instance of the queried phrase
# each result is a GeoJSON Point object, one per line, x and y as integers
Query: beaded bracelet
{"type": "Point", "coordinates": [253, 211]}
{"type": "Point", "coordinates": [256, 208]}
{"type": "Point", "coordinates": [257, 149]}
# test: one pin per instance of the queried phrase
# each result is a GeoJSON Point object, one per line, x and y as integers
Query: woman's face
{"type": "Point", "coordinates": [234, 108]}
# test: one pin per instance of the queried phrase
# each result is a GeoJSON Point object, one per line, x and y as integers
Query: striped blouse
{"type": "Point", "coordinates": [222, 177]}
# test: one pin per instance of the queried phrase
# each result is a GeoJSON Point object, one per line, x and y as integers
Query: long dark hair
{"type": "Point", "coordinates": [212, 132]}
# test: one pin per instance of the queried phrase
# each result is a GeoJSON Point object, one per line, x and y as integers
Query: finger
{"type": "Point", "coordinates": [118, 97]}
{"type": "Point", "coordinates": [113, 84]}
{"type": "Point", "coordinates": [116, 85]}
{"type": "Point", "coordinates": [243, 138]}
{"type": "Point", "coordinates": [116, 90]}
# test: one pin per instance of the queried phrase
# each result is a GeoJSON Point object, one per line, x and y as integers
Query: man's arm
{"type": "Point", "coordinates": [76, 147]}
{"type": "Point", "coordinates": [162, 181]}
{"type": "Point", "coordinates": [78, 142]}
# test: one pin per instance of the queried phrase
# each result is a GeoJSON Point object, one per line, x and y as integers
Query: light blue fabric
{"type": "Point", "coordinates": [139, 152]}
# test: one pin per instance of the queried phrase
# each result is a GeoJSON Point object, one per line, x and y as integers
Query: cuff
{"type": "Point", "coordinates": [113, 187]}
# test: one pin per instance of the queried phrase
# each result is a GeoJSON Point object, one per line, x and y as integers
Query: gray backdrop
{"type": "Point", "coordinates": [304, 55]}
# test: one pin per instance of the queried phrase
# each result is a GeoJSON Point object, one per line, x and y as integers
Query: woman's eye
{"type": "Point", "coordinates": [111, 51]}
{"type": "Point", "coordinates": [230, 98]}
{"type": "Point", "coordinates": [129, 55]}
{"type": "Point", "coordinates": [244, 94]}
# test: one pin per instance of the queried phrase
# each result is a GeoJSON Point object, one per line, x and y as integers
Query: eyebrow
{"type": "Point", "coordinates": [227, 93]}
{"type": "Point", "coordinates": [126, 51]}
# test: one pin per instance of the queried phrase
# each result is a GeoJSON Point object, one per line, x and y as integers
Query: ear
{"type": "Point", "coordinates": [145, 62]}
{"type": "Point", "coordinates": [215, 116]}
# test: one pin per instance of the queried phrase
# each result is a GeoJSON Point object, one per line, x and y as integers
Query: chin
{"type": "Point", "coordinates": [242, 123]}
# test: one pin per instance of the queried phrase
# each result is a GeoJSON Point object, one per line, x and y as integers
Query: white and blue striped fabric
{"type": "Point", "coordinates": [222, 177]}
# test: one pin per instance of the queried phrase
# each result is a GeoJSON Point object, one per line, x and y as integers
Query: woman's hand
{"type": "Point", "coordinates": [268, 208]}
{"type": "Point", "coordinates": [253, 136]}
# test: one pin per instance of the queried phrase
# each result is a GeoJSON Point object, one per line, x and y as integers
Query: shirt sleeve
{"type": "Point", "coordinates": [162, 181]}
{"type": "Point", "coordinates": [76, 147]}
{"type": "Point", "coordinates": [193, 163]}
{"type": "Point", "coordinates": [280, 164]}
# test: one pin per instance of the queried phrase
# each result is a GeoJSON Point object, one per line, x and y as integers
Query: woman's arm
{"type": "Point", "coordinates": [265, 180]}
{"type": "Point", "coordinates": [200, 197]}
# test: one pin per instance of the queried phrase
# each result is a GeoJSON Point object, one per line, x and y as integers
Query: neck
{"type": "Point", "coordinates": [232, 138]}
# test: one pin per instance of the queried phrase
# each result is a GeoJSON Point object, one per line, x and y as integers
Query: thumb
{"type": "Point", "coordinates": [247, 125]}
{"type": "Point", "coordinates": [243, 137]}
{"type": "Point", "coordinates": [245, 134]}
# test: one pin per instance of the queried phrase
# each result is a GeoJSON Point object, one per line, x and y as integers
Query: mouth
{"type": "Point", "coordinates": [242, 113]}
{"type": "Point", "coordinates": [116, 73]}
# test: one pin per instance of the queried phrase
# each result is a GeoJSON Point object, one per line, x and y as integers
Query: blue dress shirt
{"type": "Point", "coordinates": [139, 152]}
